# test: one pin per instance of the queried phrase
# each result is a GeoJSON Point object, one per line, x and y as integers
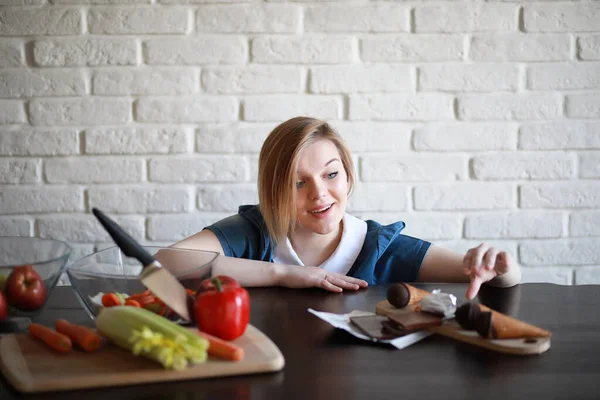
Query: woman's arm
{"type": "Point", "coordinates": [247, 272]}
{"type": "Point", "coordinates": [442, 265]}
{"type": "Point", "coordinates": [481, 264]}
{"type": "Point", "coordinates": [203, 240]}
{"type": "Point", "coordinates": [252, 272]}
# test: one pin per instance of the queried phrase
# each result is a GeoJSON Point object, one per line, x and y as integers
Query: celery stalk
{"type": "Point", "coordinates": [152, 336]}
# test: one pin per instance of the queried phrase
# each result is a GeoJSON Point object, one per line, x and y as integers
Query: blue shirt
{"type": "Point", "coordinates": [387, 256]}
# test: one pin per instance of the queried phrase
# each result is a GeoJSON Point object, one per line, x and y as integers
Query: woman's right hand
{"type": "Point", "coordinates": [293, 276]}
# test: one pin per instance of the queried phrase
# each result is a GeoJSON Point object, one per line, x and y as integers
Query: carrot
{"type": "Point", "coordinates": [166, 312]}
{"type": "Point", "coordinates": [133, 303]}
{"type": "Point", "coordinates": [222, 348]}
{"type": "Point", "coordinates": [55, 340]}
{"type": "Point", "coordinates": [142, 294]}
{"type": "Point", "coordinates": [146, 300]}
{"type": "Point", "coordinates": [83, 337]}
{"type": "Point", "coordinates": [110, 299]}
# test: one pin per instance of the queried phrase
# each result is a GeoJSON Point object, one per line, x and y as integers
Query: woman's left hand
{"type": "Point", "coordinates": [484, 263]}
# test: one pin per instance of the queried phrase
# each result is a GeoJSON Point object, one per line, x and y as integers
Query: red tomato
{"type": "Point", "coordinates": [223, 312]}
{"type": "Point", "coordinates": [25, 289]}
{"type": "Point", "coordinates": [3, 307]}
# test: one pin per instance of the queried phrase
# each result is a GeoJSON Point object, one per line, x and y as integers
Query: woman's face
{"type": "Point", "coordinates": [322, 188]}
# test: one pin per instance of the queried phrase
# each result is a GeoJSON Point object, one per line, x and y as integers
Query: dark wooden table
{"type": "Point", "coordinates": [325, 363]}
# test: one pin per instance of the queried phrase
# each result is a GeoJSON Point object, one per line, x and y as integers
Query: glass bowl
{"type": "Point", "coordinates": [18, 256]}
{"type": "Point", "coordinates": [110, 271]}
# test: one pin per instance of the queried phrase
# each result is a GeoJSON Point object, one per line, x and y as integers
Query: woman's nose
{"type": "Point", "coordinates": [317, 190]}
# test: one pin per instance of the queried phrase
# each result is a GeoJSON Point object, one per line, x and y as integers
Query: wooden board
{"type": "Point", "coordinates": [452, 329]}
{"type": "Point", "coordinates": [30, 366]}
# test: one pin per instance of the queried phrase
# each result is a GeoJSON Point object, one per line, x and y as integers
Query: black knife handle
{"type": "Point", "coordinates": [126, 243]}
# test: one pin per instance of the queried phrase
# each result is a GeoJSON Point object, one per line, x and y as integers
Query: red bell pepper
{"type": "Point", "coordinates": [208, 284]}
{"type": "Point", "coordinates": [223, 311]}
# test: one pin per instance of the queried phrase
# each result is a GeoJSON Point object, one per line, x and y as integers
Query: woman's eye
{"type": "Point", "coordinates": [299, 184]}
{"type": "Point", "coordinates": [332, 175]}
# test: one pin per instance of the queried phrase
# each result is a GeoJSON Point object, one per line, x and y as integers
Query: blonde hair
{"type": "Point", "coordinates": [277, 165]}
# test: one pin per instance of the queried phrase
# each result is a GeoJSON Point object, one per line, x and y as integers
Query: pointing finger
{"type": "Point", "coordinates": [474, 287]}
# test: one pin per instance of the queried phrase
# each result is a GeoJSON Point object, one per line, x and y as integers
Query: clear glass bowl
{"type": "Point", "coordinates": [47, 257]}
{"type": "Point", "coordinates": [110, 271]}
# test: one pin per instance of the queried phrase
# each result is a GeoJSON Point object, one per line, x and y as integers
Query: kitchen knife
{"type": "Point", "coordinates": [154, 276]}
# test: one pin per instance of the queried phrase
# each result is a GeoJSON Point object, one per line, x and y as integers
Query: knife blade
{"type": "Point", "coordinates": [154, 276]}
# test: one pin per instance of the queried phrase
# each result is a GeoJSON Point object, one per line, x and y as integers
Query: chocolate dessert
{"type": "Point", "coordinates": [491, 324]}
{"type": "Point", "coordinates": [401, 294]}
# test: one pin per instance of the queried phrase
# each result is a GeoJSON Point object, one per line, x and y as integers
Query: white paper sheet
{"type": "Point", "coordinates": [342, 321]}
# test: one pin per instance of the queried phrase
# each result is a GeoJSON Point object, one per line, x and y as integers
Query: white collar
{"type": "Point", "coordinates": [354, 232]}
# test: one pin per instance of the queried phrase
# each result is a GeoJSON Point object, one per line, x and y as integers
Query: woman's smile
{"type": "Point", "coordinates": [322, 211]}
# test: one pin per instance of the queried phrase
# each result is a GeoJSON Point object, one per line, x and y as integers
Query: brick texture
{"type": "Point", "coordinates": [468, 120]}
{"type": "Point", "coordinates": [81, 52]}
{"type": "Point", "coordinates": [157, 81]}
{"type": "Point", "coordinates": [138, 20]}
{"type": "Point", "coordinates": [335, 49]}
{"type": "Point", "coordinates": [39, 142]}
{"type": "Point", "coordinates": [270, 18]}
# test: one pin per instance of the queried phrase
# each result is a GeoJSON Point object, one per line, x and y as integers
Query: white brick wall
{"type": "Point", "coordinates": [19, 21]}
{"type": "Point", "coordinates": [79, 52]}
{"type": "Point", "coordinates": [329, 49]}
{"type": "Point", "coordinates": [23, 141]}
{"type": "Point", "coordinates": [589, 47]}
{"type": "Point", "coordinates": [465, 17]}
{"type": "Point", "coordinates": [257, 79]}
{"type": "Point", "coordinates": [135, 81]}
{"type": "Point", "coordinates": [186, 109]}
{"type": "Point", "coordinates": [191, 50]}
{"type": "Point", "coordinates": [79, 111]}
{"type": "Point", "coordinates": [470, 120]}
{"type": "Point", "coordinates": [268, 18]}
{"type": "Point", "coordinates": [12, 53]}
{"type": "Point", "coordinates": [502, 47]}
{"type": "Point", "coordinates": [137, 20]}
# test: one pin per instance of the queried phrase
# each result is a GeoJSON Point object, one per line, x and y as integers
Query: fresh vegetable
{"type": "Point", "coordinates": [142, 294]}
{"type": "Point", "coordinates": [148, 300]}
{"type": "Point", "coordinates": [25, 289]}
{"type": "Point", "coordinates": [111, 300]}
{"type": "Point", "coordinates": [222, 348]}
{"type": "Point", "coordinates": [145, 299]}
{"type": "Point", "coordinates": [122, 297]}
{"type": "Point", "coordinates": [85, 338]}
{"type": "Point", "coordinates": [132, 302]}
{"type": "Point", "coordinates": [3, 307]}
{"type": "Point", "coordinates": [208, 284]}
{"type": "Point", "coordinates": [55, 340]}
{"type": "Point", "coordinates": [144, 333]}
{"type": "Point", "coordinates": [3, 277]}
{"type": "Point", "coordinates": [223, 311]}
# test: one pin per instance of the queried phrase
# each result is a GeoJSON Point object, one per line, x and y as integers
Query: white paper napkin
{"type": "Point", "coordinates": [342, 321]}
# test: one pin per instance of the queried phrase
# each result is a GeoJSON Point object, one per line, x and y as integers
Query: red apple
{"type": "Point", "coordinates": [25, 289]}
{"type": "Point", "coordinates": [3, 307]}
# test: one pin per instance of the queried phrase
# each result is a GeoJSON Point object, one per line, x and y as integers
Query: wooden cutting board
{"type": "Point", "coordinates": [452, 329]}
{"type": "Point", "coordinates": [31, 367]}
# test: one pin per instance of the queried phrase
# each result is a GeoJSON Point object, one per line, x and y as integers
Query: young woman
{"type": "Point", "coordinates": [301, 236]}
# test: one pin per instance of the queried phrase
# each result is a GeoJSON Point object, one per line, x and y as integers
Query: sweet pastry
{"type": "Point", "coordinates": [491, 324]}
{"type": "Point", "coordinates": [401, 294]}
